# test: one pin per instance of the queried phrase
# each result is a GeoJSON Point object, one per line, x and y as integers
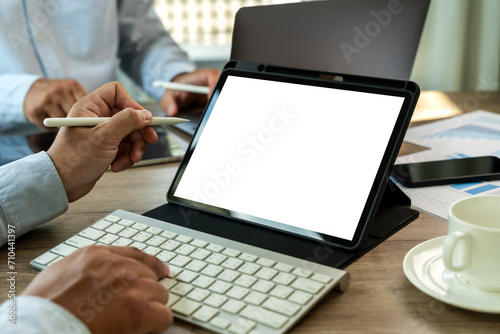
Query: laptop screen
{"type": "Point", "coordinates": [289, 155]}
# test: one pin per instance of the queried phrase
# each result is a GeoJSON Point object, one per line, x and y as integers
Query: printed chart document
{"type": "Point", "coordinates": [469, 135]}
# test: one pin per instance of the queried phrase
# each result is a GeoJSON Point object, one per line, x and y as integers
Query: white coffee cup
{"type": "Point", "coordinates": [472, 247]}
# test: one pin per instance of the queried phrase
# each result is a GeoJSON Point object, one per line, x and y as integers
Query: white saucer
{"type": "Point", "coordinates": [424, 267]}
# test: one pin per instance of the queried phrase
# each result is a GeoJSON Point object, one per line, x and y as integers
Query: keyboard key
{"type": "Point", "coordinates": [300, 297]}
{"type": "Point", "coordinates": [115, 228]}
{"type": "Point", "coordinates": [122, 242]}
{"type": "Point", "coordinates": [281, 306]}
{"type": "Point", "coordinates": [263, 286]}
{"type": "Point", "coordinates": [140, 226]}
{"type": "Point", "coordinates": [126, 222]}
{"type": "Point", "coordinates": [92, 233]}
{"type": "Point", "coordinates": [186, 276]}
{"type": "Point", "coordinates": [199, 243]}
{"type": "Point", "coordinates": [284, 278]}
{"type": "Point", "coordinates": [220, 287]}
{"type": "Point", "coordinates": [128, 232]}
{"type": "Point", "coordinates": [168, 234]}
{"type": "Point", "coordinates": [138, 245]}
{"type": "Point", "coordinates": [108, 239]}
{"type": "Point", "coordinates": [174, 271]}
{"type": "Point", "coordinates": [248, 257]}
{"type": "Point", "coordinates": [220, 323]}
{"type": "Point", "coordinates": [268, 318]}
{"type": "Point", "coordinates": [302, 272]}
{"type": "Point", "coordinates": [168, 283]}
{"type": "Point", "coordinates": [184, 239]}
{"type": "Point", "coordinates": [154, 230]}
{"type": "Point", "coordinates": [152, 250]}
{"type": "Point", "coordinates": [249, 268]}
{"type": "Point", "coordinates": [283, 267]}
{"type": "Point", "coordinates": [142, 236]}
{"type": "Point", "coordinates": [170, 245]}
{"type": "Point", "coordinates": [216, 300]}
{"type": "Point", "coordinates": [205, 313]}
{"type": "Point", "coordinates": [237, 292]}
{"type": "Point", "coordinates": [255, 298]}
{"type": "Point", "coordinates": [215, 248]}
{"type": "Point", "coordinates": [321, 278]}
{"type": "Point", "coordinates": [156, 241]}
{"type": "Point", "coordinates": [101, 224]}
{"type": "Point", "coordinates": [165, 256]}
{"type": "Point", "coordinates": [181, 289]}
{"type": "Point", "coordinates": [266, 273]}
{"type": "Point", "coordinates": [180, 261]}
{"type": "Point", "coordinates": [216, 258]}
{"type": "Point", "coordinates": [185, 249]}
{"type": "Point", "coordinates": [198, 294]}
{"type": "Point", "coordinates": [200, 254]}
{"type": "Point", "coordinates": [232, 263]}
{"type": "Point", "coordinates": [113, 219]}
{"type": "Point", "coordinates": [196, 266]}
{"type": "Point", "coordinates": [63, 250]}
{"type": "Point", "coordinates": [185, 306]}
{"type": "Point", "coordinates": [172, 299]}
{"type": "Point", "coordinates": [307, 285]}
{"type": "Point", "coordinates": [281, 291]}
{"type": "Point", "coordinates": [231, 252]}
{"type": "Point", "coordinates": [242, 326]}
{"type": "Point", "coordinates": [203, 281]}
{"type": "Point", "coordinates": [46, 258]}
{"type": "Point", "coordinates": [245, 281]}
{"type": "Point", "coordinates": [228, 275]}
{"type": "Point", "coordinates": [79, 242]}
{"type": "Point", "coordinates": [212, 270]}
{"type": "Point", "coordinates": [233, 306]}
{"type": "Point", "coordinates": [265, 262]}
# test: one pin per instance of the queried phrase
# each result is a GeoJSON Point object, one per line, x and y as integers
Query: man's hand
{"type": "Point", "coordinates": [82, 154]}
{"type": "Point", "coordinates": [173, 100]}
{"type": "Point", "coordinates": [111, 289]}
{"type": "Point", "coordinates": [51, 98]}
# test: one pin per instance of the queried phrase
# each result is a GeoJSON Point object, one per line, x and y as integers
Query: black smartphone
{"type": "Point", "coordinates": [441, 172]}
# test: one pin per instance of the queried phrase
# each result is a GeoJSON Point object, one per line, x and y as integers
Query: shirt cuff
{"type": "Point", "coordinates": [31, 192]}
{"type": "Point", "coordinates": [30, 315]}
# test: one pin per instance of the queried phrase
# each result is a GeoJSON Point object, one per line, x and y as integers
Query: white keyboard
{"type": "Point", "coordinates": [216, 283]}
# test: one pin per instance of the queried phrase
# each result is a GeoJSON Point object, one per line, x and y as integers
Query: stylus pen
{"type": "Point", "coordinates": [93, 121]}
{"type": "Point", "coordinates": [181, 87]}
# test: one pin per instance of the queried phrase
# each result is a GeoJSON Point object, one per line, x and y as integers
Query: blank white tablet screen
{"type": "Point", "coordinates": [299, 155]}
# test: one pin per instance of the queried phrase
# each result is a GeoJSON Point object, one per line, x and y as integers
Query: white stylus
{"type": "Point", "coordinates": [93, 121]}
{"type": "Point", "coordinates": [181, 87]}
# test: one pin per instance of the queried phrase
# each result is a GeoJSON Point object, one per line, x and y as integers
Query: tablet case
{"type": "Point", "coordinates": [393, 211]}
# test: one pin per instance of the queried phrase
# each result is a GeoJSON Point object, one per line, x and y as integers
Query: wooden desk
{"type": "Point", "coordinates": [380, 298]}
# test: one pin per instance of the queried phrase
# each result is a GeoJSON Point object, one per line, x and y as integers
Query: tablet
{"type": "Point", "coordinates": [301, 152]}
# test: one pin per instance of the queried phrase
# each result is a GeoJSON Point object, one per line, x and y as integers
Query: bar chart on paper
{"type": "Point", "coordinates": [469, 135]}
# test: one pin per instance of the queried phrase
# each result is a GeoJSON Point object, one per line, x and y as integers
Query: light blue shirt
{"type": "Point", "coordinates": [31, 193]}
{"type": "Point", "coordinates": [81, 40]}
{"type": "Point", "coordinates": [34, 315]}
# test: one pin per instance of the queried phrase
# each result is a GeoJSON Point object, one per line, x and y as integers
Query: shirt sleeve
{"type": "Point", "coordinates": [31, 193]}
{"type": "Point", "coordinates": [34, 315]}
{"type": "Point", "coordinates": [13, 90]}
{"type": "Point", "coordinates": [148, 52]}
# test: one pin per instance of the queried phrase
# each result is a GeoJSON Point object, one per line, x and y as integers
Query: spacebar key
{"type": "Point", "coordinates": [264, 317]}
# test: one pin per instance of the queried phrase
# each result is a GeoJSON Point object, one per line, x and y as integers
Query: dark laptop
{"type": "Point", "coordinates": [367, 37]}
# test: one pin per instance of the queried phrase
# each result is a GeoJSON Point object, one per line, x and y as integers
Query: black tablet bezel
{"type": "Point", "coordinates": [354, 83]}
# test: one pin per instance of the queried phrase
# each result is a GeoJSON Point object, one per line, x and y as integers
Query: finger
{"type": "Point", "coordinates": [122, 160]}
{"type": "Point", "coordinates": [159, 268]}
{"type": "Point", "coordinates": [158, 318]}
{"type": "Point", "coordinates": [168, 104]}
{"type": "Point", "coordinates": [123, 123]}
{"type": "Point", "coordinates": [139, 146]}
{"type": "Point", "coordinates": [151, 290]}
{"type": "Point", "coordinates": [78, 91]}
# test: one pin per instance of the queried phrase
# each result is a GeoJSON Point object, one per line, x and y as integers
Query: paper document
{"type": "Point", "coordinates": [469, 135]}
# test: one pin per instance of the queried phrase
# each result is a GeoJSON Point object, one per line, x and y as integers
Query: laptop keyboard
{"type": "Point", "coordinates": [216, 283]}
